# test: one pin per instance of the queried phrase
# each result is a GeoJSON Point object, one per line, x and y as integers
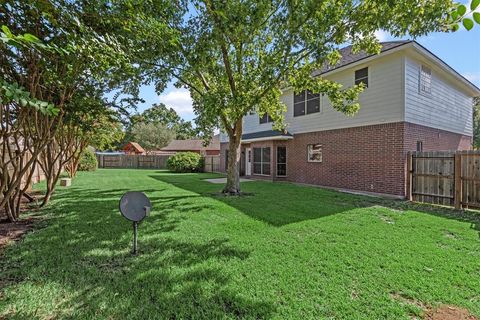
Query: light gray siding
{"type": "Point", "coordinates": [381, 102]}
{"type": "Point", "coordinates": [447, 107]}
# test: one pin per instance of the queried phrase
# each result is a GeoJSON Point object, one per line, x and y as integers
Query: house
{"type": "Point", "coordinates": [193, 145]}
{"type": "Point", "coordinates": [413, 101]}
{"type": "Point", "coordinates": [133, 148]}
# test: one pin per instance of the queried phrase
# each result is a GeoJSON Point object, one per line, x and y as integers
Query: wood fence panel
{"type": "Point", "coordinates": [445, 177]}
{"type": "Point", "coordinates": [212, 164]}
{"type": "Point", "coordinates": [132, 161]}
{"type": "Point", "coordinates": [433, 177]}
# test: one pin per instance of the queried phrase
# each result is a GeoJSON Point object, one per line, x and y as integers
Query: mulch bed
{"type": "Point", "coordinates": [11, 231]}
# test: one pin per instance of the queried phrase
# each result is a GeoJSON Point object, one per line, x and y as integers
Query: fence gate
{"type": "Point", "coordinates": [449, 178]}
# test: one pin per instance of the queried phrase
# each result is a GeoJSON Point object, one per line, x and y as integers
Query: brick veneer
{"type": "Point", "coordinates": [369, 158]}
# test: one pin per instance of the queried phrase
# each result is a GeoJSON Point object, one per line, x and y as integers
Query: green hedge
{"type": "Point", "coordinates": [185, 162]}
{"type": "Point", "coordinates": [88, 161]}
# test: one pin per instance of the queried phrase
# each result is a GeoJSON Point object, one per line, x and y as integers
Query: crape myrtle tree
{"type": "Point", "coordinates": [19, 113]}
{"type": "Point", "coordinates": [235, 56]}
{"type": "Point", "coordinates": [84, 55]}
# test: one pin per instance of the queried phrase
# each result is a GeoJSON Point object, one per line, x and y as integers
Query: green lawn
{"type": "Point", "coordinates": [287, 252]}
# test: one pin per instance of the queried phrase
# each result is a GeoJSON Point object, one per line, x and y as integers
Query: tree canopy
{"type": "Point", "coordinates": [160, 113]}
{"type": "Point", "coordinates": [236, 56]}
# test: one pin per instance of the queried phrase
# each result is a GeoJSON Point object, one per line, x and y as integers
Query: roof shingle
{"type": "Point", "coordinates": [349, 57]}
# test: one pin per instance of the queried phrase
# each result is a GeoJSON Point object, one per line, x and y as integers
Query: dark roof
{"type": "Point", "coordinates": [266, 134]}
{"type": "Point", "coordinates": [349, 57]}
{"type": "Point", "coordinates": [192, 145]}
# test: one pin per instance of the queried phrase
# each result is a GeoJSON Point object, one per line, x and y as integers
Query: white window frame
{"type": "Point", "coordinates": [262, 162]}
{"type": "Point", "coordinates": [425, 80]}
{"type": "Point", "coordinates": [310, 152]}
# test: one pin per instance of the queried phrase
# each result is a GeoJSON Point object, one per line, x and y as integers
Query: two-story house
{"type": "Point", "coordinates": [413, 101]}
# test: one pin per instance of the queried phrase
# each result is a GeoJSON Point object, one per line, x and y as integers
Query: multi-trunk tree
{"type": "Point", "coordinates": [236, 56]}
{"type": "Point", "coordinates": [54, 49]}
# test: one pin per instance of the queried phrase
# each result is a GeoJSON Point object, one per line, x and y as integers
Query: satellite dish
{"type": "Point", "coordinates": [135, 206]}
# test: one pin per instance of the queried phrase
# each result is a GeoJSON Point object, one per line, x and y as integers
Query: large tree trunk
{"type": "Point", "coordinates": [233, 168]}
{"type": "Point", "coordinates": [233, 165]}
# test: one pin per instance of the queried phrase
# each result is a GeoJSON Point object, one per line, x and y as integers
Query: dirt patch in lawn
{"type": "Point", "coordinates": [443, 312]}
{"type": "Point", "coordinates": [449, 313]}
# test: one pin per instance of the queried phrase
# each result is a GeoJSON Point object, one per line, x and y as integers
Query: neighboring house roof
{"type": "Point", "coordinates": [192, 145]}
{"type": "Point", "coordinates": [267, 135]}
{"type": "Point", "coordinates": [136, 146]}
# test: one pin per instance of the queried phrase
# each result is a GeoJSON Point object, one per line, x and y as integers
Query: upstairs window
{"type": "Point", "coordinates": [425, 80]}
{"type": "Point", "coordinates": [361, 76]}
{"type": "Point", "coordinates": [305, 102]}
{"type": "Point", "coordinates": [265, 119]}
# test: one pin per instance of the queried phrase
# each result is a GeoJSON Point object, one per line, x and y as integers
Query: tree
{"type": "Point", "coordinates": [159, 113]}
{"type": "Point", "coordinates": [17, 110]}
{"type": "Point", "coordinates": [78, 58]}
{"type": "Point", "coordinates": [235, 56]}
{"type": "Point", "coordinates": [476, 123]}
{"type": "Point", "coordinates": [152, 136]}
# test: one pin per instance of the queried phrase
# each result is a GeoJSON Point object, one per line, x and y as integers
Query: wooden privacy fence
{"type": "Point", "coordinates": [444, 177]}
{"type": "Point", "coordinates": [128, 161]}
{"type": "Point", "coordinates": [212, 163]}
{"type": "Point", "coordinates": [37, 176]}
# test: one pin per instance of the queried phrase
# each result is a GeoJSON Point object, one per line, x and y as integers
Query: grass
{"type": "Point", "coordinates": [288, 252]}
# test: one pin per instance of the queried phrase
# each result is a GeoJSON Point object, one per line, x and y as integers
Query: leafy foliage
{"type": "Point", "coordinates": [152, 136]}
{"type": "Point", "coordinates": [185, 162]}
{"type": "Point", "coordinates": [467, 17]}
{"type": "Point", "coordinates": [88, 161]}
{"type": "Point", "coordinates": [476, 123]}
{"type": "Point", "coordinates": [13, 93]}
{"type": "Point", "coordinates": [159, 113]}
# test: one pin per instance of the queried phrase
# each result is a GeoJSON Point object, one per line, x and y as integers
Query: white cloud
{"type": "Point", "coordinates": [180, 100]}
{"type": "Point", "coordinates": [382, 35]}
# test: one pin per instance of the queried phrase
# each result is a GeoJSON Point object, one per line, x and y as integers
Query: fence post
{"type": "Point", "coordinates": [409, 175]}
{"type": "Point", "coordinates": [458, 181]}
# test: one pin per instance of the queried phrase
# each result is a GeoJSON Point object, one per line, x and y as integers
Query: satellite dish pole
{"type": "Point", "coordinates": [135, 230]}
{"type": "Point", "coordinates": [135, 206]}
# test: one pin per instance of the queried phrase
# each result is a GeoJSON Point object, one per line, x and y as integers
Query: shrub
{"type": "Point", "coordinates": [88, 161]}
{"type": "Point", "coordinates": [185, 162]}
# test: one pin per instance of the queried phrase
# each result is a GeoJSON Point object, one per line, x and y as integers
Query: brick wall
{"type": "Point", "coordinates": [368, 158]}
{"type": "Point", "coordinates": [434, 139]}
{"type": "Point", "coordinates": [365, 158]}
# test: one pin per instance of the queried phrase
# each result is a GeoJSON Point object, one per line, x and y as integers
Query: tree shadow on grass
{"type": "Point", "coordinates": [282, 203]}
{"type": "Point", "coordinates": [85, 253]}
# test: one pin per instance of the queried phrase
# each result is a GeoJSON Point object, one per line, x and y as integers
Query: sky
{"type": "Point", "coordinates": [460, 50]}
